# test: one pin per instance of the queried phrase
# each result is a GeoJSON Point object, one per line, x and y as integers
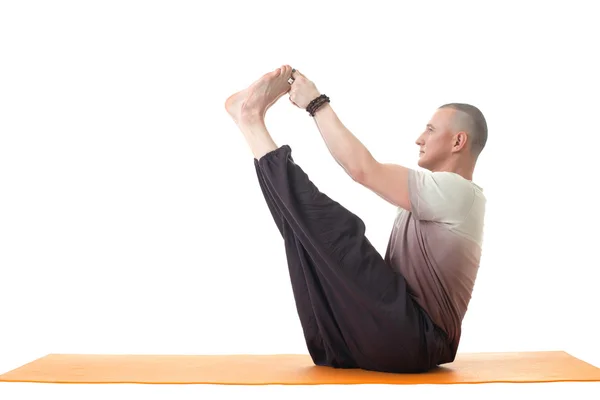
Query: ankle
{"type": "Point", "coordinates": [252, 117]}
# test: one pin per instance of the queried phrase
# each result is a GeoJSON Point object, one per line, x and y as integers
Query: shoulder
{"type": "Point", "coordinates": [447, 182]}
{"type": "Point", "coordinates": [441, 196]}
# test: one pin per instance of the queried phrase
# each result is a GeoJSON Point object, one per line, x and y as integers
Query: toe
{"type": "Point", "coordinates": [285, 72]}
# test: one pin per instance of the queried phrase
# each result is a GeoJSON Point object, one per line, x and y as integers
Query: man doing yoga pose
{"type": "Point", "coordinates": [401, 312]}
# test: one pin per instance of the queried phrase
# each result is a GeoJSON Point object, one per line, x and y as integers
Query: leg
{"type": "Point", "coordinates": [247, 109]}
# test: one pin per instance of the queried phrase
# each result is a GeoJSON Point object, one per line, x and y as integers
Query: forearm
{"type": "Point", "coordinates": [347, 150]}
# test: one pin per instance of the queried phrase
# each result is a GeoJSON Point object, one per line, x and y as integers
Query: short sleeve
{"type": "Point", "coordinates": [443, 197]}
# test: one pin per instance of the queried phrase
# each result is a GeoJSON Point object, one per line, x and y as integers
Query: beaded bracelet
{"type": "Point", "coordinates": [316, 103]}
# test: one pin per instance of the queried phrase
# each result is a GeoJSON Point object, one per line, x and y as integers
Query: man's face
{"type": "Point", "coordinates": [435, 143]}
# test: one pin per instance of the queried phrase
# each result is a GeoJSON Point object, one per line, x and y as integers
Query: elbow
{"type": "Point", "coordinates": [358, 175]}
{"type": "Point", "coordinates": [362, 171]}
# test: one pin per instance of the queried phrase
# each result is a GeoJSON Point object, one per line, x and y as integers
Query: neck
{"type": "Point", "coordinates": [464, 169]}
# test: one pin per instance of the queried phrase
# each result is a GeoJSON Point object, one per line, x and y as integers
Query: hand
{"type": "Point", "coordinates": [303, 90]}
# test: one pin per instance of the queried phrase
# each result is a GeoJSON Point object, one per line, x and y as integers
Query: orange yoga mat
{"type": "Point", "coordinates": [294, 370]}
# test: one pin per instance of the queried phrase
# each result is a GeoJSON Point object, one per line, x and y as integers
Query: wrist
{"type": "Point", "coordinates": [316, 104]}
{"type": "Point", "coordinates": [313, 96]}
{"type": "Point", "coordinates": [321, 109]}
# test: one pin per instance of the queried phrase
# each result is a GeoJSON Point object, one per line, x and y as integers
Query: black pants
{"type": "Point", "coordinates": [355, 310]}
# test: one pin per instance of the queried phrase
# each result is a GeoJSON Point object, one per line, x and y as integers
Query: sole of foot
{"type": "Point", "coordinates": [255, 100]}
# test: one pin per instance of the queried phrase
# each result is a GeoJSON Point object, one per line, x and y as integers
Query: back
{"type": "Point", "coordinates": [437, 246]}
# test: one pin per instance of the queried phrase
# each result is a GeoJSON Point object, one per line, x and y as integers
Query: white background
{"type": "Point", "coordinates": [131, 219]}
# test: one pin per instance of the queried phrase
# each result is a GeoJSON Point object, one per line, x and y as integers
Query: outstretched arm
{"type": "Point", "coordinates": [389, 181]}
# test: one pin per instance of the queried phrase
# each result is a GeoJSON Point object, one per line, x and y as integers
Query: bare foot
{"type": "Point", "coordinates": [254, 101]}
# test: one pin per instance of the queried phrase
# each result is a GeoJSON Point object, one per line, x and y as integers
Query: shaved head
{"type": "Point", "coordinates": [470, 119]}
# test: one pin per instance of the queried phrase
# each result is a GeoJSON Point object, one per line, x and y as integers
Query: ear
{"type": "Point", "coordinates": [459, 141]}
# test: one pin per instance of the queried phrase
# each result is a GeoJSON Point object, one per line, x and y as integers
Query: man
{"type": "Point", "coordinates": [398, 313]}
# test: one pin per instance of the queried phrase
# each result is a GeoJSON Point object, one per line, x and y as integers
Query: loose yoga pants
{"type": "Point", "coordinates": [354, 309]}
